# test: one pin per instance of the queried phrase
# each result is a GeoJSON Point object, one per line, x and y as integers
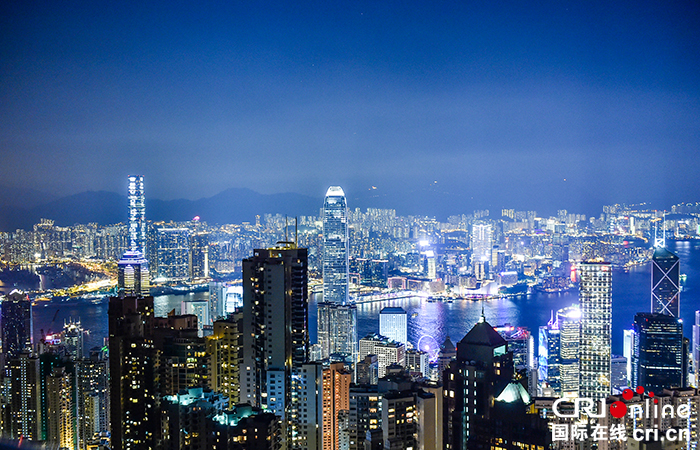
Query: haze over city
{"type": "Point", "coordinates": [443, 106]}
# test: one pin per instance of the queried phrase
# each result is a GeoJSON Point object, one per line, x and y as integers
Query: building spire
{"type": "Point", "coordinates": [483, 316]}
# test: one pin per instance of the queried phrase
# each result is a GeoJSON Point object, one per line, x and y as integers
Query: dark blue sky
{"type": "Point", "coordinates": [504, 104]}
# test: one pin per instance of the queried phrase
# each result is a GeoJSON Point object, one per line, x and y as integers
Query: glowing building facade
{"type": "Point", "coordinates": [595, 296]}
{"type": "Point", "coordinates": [665, 282]}
{"type": "Point", "coordinates": [335, 247]}
{"type": "Point", "coordinates": [137, 214]}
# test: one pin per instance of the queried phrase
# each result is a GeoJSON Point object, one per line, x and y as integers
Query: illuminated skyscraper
{"type": "Point", "coordinates": [595, 296]}
{"type": "Point", "coordinates": [16, 322]}
{"type": "Point", "coordinates": [481, 242]}
{"type": "Point", "coordinates": [665, 282]}
{"type": "Point", "coordinates": [393, 323]}
{"type": "Point", "coordinates": [337, 330]}
{"type": "Point", "coordinates": [657, 361]}
{"type": "Point", "coordinates": [133, 277]}
{"type": "Point", "coordinates": [60, 408]}
{"type": "Point", "coordinates": [336, 398]}
{"type": "Point", "coordinates": [335, 247]}
{"type": "Point", "coordinates": [137, 214]}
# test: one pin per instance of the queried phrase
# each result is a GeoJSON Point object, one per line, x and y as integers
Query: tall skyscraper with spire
{"type": "Point", "coordinates": [337, 325]}
{"type": "Point", "coordinates": [595, 297]}
{"type": "Point", "coordinates": [335, 247]}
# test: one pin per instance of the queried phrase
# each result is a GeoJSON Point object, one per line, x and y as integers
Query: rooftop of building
{"type": "Point", "coordinates": [664, 253]}
{"type": "Point", "coordinates": [392, 310]}
{"type": "Point", "coordinates": [483, 334]}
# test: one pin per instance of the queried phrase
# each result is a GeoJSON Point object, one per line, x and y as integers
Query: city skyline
{"type": "Point", "coordinates": [495, 103]}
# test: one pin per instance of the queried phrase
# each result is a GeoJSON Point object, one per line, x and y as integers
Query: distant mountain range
{"type": "Point", "coordinates": [230, 206]}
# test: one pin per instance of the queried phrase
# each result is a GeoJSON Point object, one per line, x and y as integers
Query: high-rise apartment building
{"type": "Point", "coordinates": [60, 408]}
{"type": "Point", "coordinates": [132, 366]}
{"type": "Point", "coordinates": [393, 323]}
{"type": "Point", "coordinates": [388, 351]}
{"type": "Point", "coordinates": [595, 297]}
{"type": "Point", "coordinates": [335, 246]}
{"type": "Point", "coordinates": [657, 361]}
{"type": "Point", "coordinates": [274, 324]}
{"type": "Point", "coordinates": [137, 214]}
{"type": "Point", "coordinates": [336, 398]}
{"type": "Point", "coordinates": [481, 242]}
{"type": "Point", "coordinates": [16, 323]}
{"type": "Point", "coordinates": [224, 348]}
{"type": "Point", "coordinates": [665, 282]}
{"type": "Point", "coordinates": [24, 411]}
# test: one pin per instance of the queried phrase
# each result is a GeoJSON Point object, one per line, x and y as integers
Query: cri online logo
{"type": "Point", "coordinates": [619, 409]}
{"type": "Point", "coordinates": [648, 409]}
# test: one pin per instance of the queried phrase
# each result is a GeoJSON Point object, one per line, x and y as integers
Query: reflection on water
{"type": "Point", "coordinates": [631, 294]}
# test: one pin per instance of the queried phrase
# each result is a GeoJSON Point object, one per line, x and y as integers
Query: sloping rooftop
{"type": "Point", "coordinates": [483, 334]}
{"type": "Point", "coordinates": [663, 253]}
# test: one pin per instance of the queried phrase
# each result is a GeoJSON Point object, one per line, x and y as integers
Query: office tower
{"type": "Point", "coordinates": [569, 324]}
{"type": "Point", "coordinates": [696, 348]}
{"type": "Point", "coordinates": [430, 265]}
{"type": "Point", "coordinates": [665, 282]}
{"type": "Point", "coordinates": [173, 254]}
{"type": "Point", "coordinates": [133, 277]}
{"type": "Point", "coordinates": [137, 215]}
{"type": "Point", "coordinates": [336, 398]}
{"type": "Point", "coordinates": [472, 382]}
{"type": "Point", "coordinates": [388, 352]}
{"type": "Point", "coordinates": [24, 412]}
{"type": "Point", "coordinates": [627, 351]}
{"type": "Point", "coordinates": [548, 358]}
{"type": "Point", "coordinates": [275, 317]}
{"type": "Point", "coordinates": [481, 242]}
{"type": "Point", "coordinates": [657, 361]}
{"type": "Point", "coordinates": [308, 431]}
{"type": "Point", "coordinates": [199, 255]}
{"type": "Point", "coordinates": [393, 323]}
{"type": "Point", "coordinates": [132, 366]}
{"type": "Point", "coordinates": [335, 247]}
{"type": "Point", "coordinates": [337, 330]}
{"type": "Point", "coordinates": [595, 296]}
{"type": "Point", "coordinates": [224, 348]}
{"type": "Point", "coordinates": [16, 323]}
{"type": "Point", "coordinates": [60, 408]}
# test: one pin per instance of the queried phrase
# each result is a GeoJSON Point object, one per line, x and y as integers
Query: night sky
{"type": "Point", "coordinates": [483, 104]}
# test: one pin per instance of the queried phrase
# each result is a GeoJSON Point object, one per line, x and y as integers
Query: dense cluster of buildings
{"type": "Point", "coordinates": [249, 377]}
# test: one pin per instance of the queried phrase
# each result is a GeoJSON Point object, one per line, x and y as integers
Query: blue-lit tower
{"type": "Point", "coordinates": [335, 247]}
{"type": "Point", "coordinates": [137, 214]}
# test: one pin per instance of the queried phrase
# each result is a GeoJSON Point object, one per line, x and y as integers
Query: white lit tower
{"type": "Point", "coordinates": [137, 214]}
{"type": "Point", "coordinates": [595, 297]}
